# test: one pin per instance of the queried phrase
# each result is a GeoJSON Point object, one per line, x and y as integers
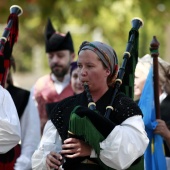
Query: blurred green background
{"type": "Point", "coordinates": [105, 20]}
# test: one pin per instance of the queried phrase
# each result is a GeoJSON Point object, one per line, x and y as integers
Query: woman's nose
{"type": "Point", "coordinates": [83, 72]}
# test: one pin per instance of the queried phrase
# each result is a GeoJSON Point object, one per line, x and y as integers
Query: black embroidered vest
{"type": "Point", "coordinates": [123, 106]}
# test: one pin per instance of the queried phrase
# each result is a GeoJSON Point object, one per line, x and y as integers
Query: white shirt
{"type": "Point", "coordinates": [162, 97]}
{"type": "Point", "coordinates": [124, 144]}
{"type": "Point", "coordinates": [10, 131]}
{"type": "Point", "coordinates": [30, 135]}
{"type": "Point", "coordinates": [59, 86]}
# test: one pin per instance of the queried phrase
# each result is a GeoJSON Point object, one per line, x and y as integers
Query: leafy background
{"type": "Point", "coordinates": [104, 20]}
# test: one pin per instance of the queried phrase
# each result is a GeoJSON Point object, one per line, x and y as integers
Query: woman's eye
{"type": "Point", "coordinates": [75, 76]}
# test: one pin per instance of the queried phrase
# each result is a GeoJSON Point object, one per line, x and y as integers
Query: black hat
{"type": "Point", "coordinates": [55, 41]}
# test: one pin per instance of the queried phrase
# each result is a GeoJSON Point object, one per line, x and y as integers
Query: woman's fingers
{"type": "Point", "coordinates": [53, 160]}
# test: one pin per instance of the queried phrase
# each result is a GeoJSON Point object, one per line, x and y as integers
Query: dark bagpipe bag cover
{"type": "Point", "coordinates": [92, 128]}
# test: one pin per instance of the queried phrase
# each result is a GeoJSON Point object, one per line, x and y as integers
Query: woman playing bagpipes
{"type": "Point", "coordinates": [78, 136]}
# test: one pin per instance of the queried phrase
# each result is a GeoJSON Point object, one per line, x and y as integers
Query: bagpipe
{"type": "Point", "coordinates": [88, 122]}
{"type": "Point", "coordinates": [9, 37]}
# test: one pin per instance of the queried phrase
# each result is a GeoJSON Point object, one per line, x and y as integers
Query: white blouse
{"type": "Point", "coordinates": [124, 144]}
{"type": "Point", "coordinates": [10, 131]}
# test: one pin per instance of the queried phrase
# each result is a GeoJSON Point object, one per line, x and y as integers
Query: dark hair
{"type": "Point", "coordinates": [73, 66]}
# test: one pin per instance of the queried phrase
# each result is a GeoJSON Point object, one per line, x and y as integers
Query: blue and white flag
{"type": "Point", "coordinates": [154, 155]}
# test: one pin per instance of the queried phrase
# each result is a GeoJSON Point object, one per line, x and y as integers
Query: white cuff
{"type": "Point", "coordinates": [93, 154]}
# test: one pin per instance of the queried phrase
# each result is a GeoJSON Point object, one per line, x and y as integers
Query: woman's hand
{"type": "Point", "coordinates": [73, 148]}
{"type": "Point", "coordinates": [53, 160]}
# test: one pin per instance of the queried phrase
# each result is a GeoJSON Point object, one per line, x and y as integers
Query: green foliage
{"type": "Point", "coordinates": [105, 20]}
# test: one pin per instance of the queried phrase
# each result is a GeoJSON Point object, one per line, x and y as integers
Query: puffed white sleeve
{"type": "Point", "coordinates": [127, 142]}
{"type": "Point", "coordinates": [10, 130]}
{"type": "Point", "coordinates": [50, 141]}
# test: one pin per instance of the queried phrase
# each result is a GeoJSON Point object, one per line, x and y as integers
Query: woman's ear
{"type": "Point", "coordinates": [107, 72]}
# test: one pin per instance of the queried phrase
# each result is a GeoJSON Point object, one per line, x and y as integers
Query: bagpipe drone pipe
{"type": "Point", "coordinates": [88, 122]}
{"type": "Point", "coordinates": [9, 37]}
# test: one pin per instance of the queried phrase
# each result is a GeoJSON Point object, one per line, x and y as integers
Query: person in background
{"type": "Point", "coordinates": [29, 120]}
{"type": "Point", "coordinates": [124, 138]}
{"type": "Point", "coordinates": [75, 82]}
{"type": "Point", "coordinates": [141, 72]}
{"type": "Point", "coordinates": [54, 86]}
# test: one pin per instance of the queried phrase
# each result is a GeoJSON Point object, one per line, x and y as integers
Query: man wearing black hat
{"type": "Point", "coordinates": [56, 85]}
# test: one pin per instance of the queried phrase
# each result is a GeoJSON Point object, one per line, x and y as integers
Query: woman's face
{"type": "Point", "coordinates": [140, 78]}
{"type": "Point", "coordinates": [92, 71]}
{"type": "Point", "coordinates": [75, 82]}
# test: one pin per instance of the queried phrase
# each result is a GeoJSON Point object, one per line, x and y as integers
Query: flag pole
{"type": "Point", "coordinates": [154, 45]}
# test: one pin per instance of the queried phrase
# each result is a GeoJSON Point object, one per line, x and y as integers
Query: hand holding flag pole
{"type": "Point", "coordinates": [154, 155]}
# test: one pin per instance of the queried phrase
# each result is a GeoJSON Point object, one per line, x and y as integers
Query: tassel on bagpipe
{"type": "Point", "coordinates": [9, 37]}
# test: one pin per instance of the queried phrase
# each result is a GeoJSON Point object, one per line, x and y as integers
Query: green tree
{"type": "Point", "coordinates": [106, 20]}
